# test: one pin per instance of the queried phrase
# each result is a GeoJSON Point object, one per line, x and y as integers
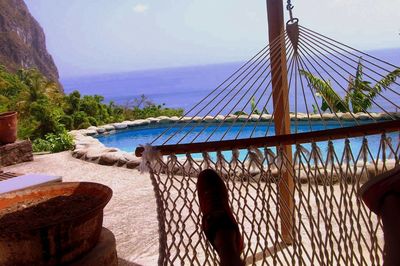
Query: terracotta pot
{"type": "Point", "coordinates": [8, 127]}
{"type": "Point", "coordinates": [52, 224]}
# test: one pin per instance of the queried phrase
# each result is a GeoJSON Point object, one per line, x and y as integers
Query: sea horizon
{"type": "Point", "coordinates": [176, 87]}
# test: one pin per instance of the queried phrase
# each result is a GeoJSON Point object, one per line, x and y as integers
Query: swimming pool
{"type": "Point", "coordinates": [128, 139]}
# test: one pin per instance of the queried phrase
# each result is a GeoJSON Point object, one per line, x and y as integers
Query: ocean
{"type": "Point", "coordinates": [180, 87]}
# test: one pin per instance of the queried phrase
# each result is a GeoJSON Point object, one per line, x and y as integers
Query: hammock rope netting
{"type": "Point", "coordinates": [294, 196]}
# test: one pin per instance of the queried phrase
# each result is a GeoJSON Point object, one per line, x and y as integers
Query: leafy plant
{"type": "Point", "coordinates": [330, 99]}
{"type": "Point", "coordinates": [40, 145]}
{"type": "Point", "coordinates": [315, 109]}
{"type": "Point", "coordinates": [239, 113]}
{"type": "Point", "coordinates": [359, 94]}
{"type": "Point", "coordinates": [60, 142]}
{"type": "Point", "coordinates": [254, 109]}
{"type": "Point", "coordinates": [140, 102]}
{"type": "Point", "coordinates": [53, 142]}
{"type": "Point", "coordinates": [151, 111]}
{"type": "Point", "coordinates": [45, 113]}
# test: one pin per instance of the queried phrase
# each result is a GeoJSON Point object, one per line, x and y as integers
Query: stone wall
{"type": "Point", "coordinates": [17, 152]}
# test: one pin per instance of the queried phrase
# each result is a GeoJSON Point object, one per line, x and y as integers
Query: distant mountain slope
{"type": "Point", "coordinates": [22, 40]}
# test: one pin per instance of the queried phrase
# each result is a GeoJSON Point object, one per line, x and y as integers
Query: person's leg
{"type": "Point", "coordinates": [218, 223]}
{"type": "Point", "coordinates": [382, 195]}
{"type": "Point", "coordinates": [390, 215]}
{"type": "Point", "coordinates": [225, 244]}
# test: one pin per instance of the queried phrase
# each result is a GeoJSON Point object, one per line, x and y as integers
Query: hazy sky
{"type": "Point", "coordinates": [101, 36]}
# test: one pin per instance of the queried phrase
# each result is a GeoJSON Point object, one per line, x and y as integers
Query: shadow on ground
{"type": "Point", "coordinates": [122, 262]}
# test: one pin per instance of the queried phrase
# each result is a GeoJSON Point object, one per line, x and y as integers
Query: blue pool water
{"type": "Point", "coordinates": [128, 140]}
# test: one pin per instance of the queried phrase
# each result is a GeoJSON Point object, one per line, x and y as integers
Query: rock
{"type": "Point", "coordinates": [128, 156]}
{"type": "Point", "coordinates": [141, 122]}
{"type": "Point", "coordinates": [90, 132]}
{"type": "Point", "coordinates": [88, 141]}
{"type": "Point", "coordinates": [363, 116]}
{"type": "Point", "coordinates": [86, 138]}
{"type": "Point", "coordinates": [82, 132]}
{"type": "Point", "coordinates": [266, 117]}
{"type": "Point", "coordinates": [231, 118]}
{"type": "Point", "coordinates": [101, 130]}
{"type": "Point", "coordinates": [315, 117]}
{"type": "Point", "coordinates": [129, 123]}
{"type": "Point", "coordinates": [209, 119]}
{"type": "Point", "coordinates": [255, 118]}
{"type": "Point", "coordinates": [197, 119]}
{"type": "Point", "coordinates": [110, 158]}
{"type": "Point", "coordinates": [120, 126]}
{"type": "Point", "coordinates": [17, 152]}
{"type": "Point", "coordinates": [356, 116]}
{"type": "Point", "coordinates": [125, 157]}
{"type": "Point", "coordinates": [174, 118]}
{"type": "Point", "coordinates": [79, 146]}
{"type": "Point", "coordinates": [74, 132]}
{"type": "Point", "coordinates": [164, 120]}
{"type": "Point", "coordinates": [108, 127]}
{"type": "Point", "coordinates": [219, 118]}
{"type": "Point", "coordinates": [385, 116]}
{"type": "Point", "coordinates": [186, 119]}
{"type": "Point", "coordinates": [133, 164]}
{"type": "Point", "coordinates": [242, 118]}
{"type": "Point", "coordinates": [79, 152]}
{"type": "Point", "coordinates": [327, 116]}
{"type": "Point", "coordinates": [162, 117]}
{"type": "Point", "coordinates": [396, 115]}
{"type": "Point", "coordinates": [153, 120]}
{"type": "Point", "coordinates": [302, 117]}
{"type": "Point", "coordinates": [348, 117]}
{"type": "Point", "coordinates": [339, 115]}
{"type": "Point", "coordinates": [22, 40]}
{"type": "Point", "coordinates": [94, 153]}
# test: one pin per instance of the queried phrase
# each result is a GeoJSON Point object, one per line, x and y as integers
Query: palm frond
{"type": "Point", "coordinates": [359, 73]}
{"type": "Point", "coordinates": [331, 100]}
{"type": "Point", "coordinates": [386, 81]}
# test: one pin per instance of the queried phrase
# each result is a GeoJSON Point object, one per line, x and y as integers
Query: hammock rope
{"type": "Point", "coordinates": [352, 75]}
{"type": "Point", "coordinates": [230, 110]}
{"type": "Point", "coordinates": [192, 124]}
{"type": "Point", "coordinates": [241, 99]}
{"type": "Point", "coordinates": [297, 208]}
{"type": "Point", "coordinates": [328, 215]}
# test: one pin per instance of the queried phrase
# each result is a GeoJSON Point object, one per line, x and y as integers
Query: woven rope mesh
{"type": "Point", "coordinates": [329, 84]}
{"type": "Point", "coordinates": [331, 226]}
{"type": "Point", "coordinates": [305, 195]}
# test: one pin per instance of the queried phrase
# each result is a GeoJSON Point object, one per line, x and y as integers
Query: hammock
{"type": "Point", "coordinates": [292, 167]}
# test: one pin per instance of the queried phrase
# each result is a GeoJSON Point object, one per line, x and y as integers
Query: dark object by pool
{"type": "Point", "coordinates": [51, 225]}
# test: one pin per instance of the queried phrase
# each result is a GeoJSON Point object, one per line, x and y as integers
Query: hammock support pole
{"type": "Point", "coordinates": [276, 28]}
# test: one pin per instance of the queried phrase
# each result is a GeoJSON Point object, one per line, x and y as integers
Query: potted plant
{"type": "Point", "coordinates": [8, 127]}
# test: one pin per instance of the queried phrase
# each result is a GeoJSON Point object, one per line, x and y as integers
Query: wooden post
{"type": "Point", "coordinates": [280, 95]}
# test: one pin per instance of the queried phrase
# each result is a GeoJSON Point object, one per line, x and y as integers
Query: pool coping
{"type": "Point", "coordinates": [90, 149]}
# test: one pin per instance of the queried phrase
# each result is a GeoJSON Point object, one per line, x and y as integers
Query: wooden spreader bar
{"type": "Point", "coordinates": [306, 137]}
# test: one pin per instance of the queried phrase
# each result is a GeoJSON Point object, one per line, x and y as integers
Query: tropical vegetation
{"type": "Point", "coordinates": [360, 93]}
{"type": "Point", "coordinates": [253, 109]}
{"type": "Point", "coordinates": [46, 114]}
